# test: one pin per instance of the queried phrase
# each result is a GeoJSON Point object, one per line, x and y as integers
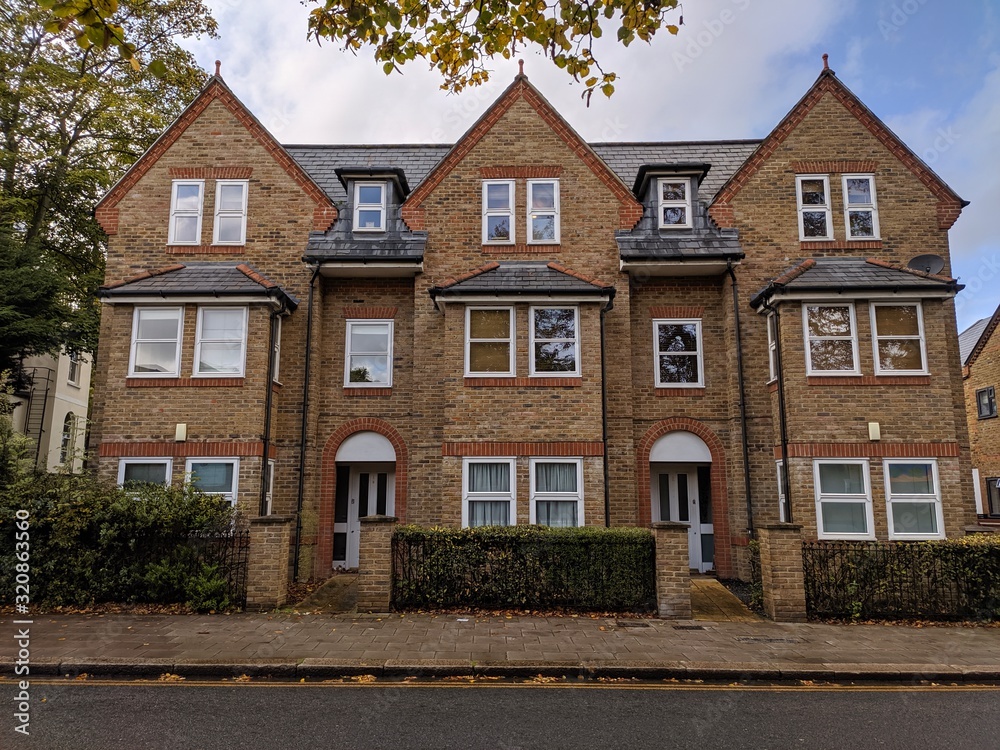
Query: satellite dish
{"type": "Point", "coordinates": [929, 263]}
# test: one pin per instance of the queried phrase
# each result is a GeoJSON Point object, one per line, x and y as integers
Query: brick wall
{"type": "Point", "coordinates": [984, 434]}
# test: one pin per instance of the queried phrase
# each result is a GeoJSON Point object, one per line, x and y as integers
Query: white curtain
{"type": "Point", "coordinates": [488, 477]}
{"type": "Point", "coordinates": [489, 513]}
{"type": "Point", "coordinates": [555, 477]}
{"type": "Point", "coordinates": [556, 512]}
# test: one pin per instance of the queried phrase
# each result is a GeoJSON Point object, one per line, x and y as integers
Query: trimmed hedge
{"type": "Point", "coordinates": [950, 579]}
{"type": "Point", "coordinates": [525, 567]}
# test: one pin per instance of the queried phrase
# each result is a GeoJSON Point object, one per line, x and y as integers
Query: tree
{"type": "Point", "coordinates": [458, 36]}
{"type": "Point", "coordinates": [73, 118]}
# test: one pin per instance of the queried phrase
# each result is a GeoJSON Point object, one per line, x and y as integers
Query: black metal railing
{"type": "Point", "coordinates": [901, 580]}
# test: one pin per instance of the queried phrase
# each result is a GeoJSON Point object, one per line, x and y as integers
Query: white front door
{"type": "Point", "coordinates": [372, 493]}
{"type": "Point", "coordinates": [682, 492]}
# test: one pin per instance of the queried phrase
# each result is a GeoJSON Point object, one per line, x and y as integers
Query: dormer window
{"type": "Point", "coordinates": [543, 211]}
{"type": "Point", "coordinates": [674, 202]}
{"type": "Point", "coordinates": [369, 207]}
{"type": "Point", "coordinates": [813, 194]}
{"type": "Point", "coordinates": [185, 212]}
{"type": "Point", "coordinates": [498, 212]}
{"type": "Point", "coordinates": [230, 212]}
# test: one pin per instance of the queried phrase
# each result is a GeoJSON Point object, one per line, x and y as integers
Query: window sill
{"type": "Point", "coordinates": [988, 416]}
{"type": "Point", "coordinates": [495, 382]}
{"type": "Point", "coordinates": [696, 392]}
{"type": "Point", "coordinates": [205, 249]}
{"type": "Point", "coordinates": [866, 380]}
{"type": "Point", "coordinates": [772, 386]}
{"type": "Point", "coordinates": [367, 392]}
{"type": "Point", "coordinates": [521, 247]}
{"type": "Point", "coordinates": [183, 382]}
{"type": "Point", "coordinates": [832, 244]}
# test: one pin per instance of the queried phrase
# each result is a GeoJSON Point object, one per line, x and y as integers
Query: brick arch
{"type": "Point", "coordinates": [720, 489]}
{"type": "Point", "coordinates": [328, 481]}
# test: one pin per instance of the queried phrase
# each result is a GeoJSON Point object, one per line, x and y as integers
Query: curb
{"type": "Point", "coordinates": [394, 669]}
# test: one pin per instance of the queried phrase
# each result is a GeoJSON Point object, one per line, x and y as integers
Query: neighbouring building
{"type": "Point", "coordinates": [50, 397]}
{"type": "Point", "coordinates": [522, 327]}
{"type": "Point", "coordinates": [980, 352]}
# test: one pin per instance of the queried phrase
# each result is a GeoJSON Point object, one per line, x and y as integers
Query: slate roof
{"type": "Point", "coordinates": [968, 338]}
{"type": "Point", "coordinates": [694, 246]}
{"type": "Point", "coordinates": [335, 246]}
{"type": "Point", "coordinates": [521, 278]}
{"type": "Point", "coordinates": [199, 279]}
{"type": "Point", "coordinates": [854, 274]}
{"type": "Point", "coordinates": [417, 160]}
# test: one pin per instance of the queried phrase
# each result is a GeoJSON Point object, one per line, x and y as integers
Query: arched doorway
{"type": "Point", "coordinates": [365, 486]}
{"type": "Point", "coordinates": [680, 473]}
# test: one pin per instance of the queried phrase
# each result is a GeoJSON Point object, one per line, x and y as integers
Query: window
{"type": "Point", "coordinates": [993, 495]}
{"type": "Point", "coordinates": [156, 338]}
{"type": "Point", "coordinates": [543, 211]}
{"type": "Point", "coordinates": [269, 492]}
{"type": "Point", "coordinates": [831, 343]}
{"type": "Point", "coordinates": [66, 444]}
{"type": "Point", "coordinates": [782, 492]}
{"type": "Point", "coordinates": [674, 203]}
{"type": "Point", "coordinates": [813, 193]}
{"type": "Point", "coordinates": [554, 341]}
{"type": "Point", "coordinates": [489, 341]}
{"type": "Point", "coordinates": [134, 473]}
{"type": "Point", "coordinates": [221, 341]}
{"type": "Point", "coordinates": [898, 331]}
{"type": "Point", "coordinates": [843, 499]}
{"type": "Point", "coordinates": [369, 207]}
{"type": "Point", "coordinates": [498, 212]}
{"type": "Point", "coordinates": [557, 492]}
{"type": "Point", "coordinates": [677, 344]}
{"type": "Point", "coordinates": [73, 369]}
{"type": "Point", "coordinates": [185, 212]}
{"type": "Point", "coordinates": [488, 492]}
{"type": "Point", "coordinates": [986, 402]}
{"type": "Point", "coordinates": [369, 354]}
{"type": "Point", "coordinates": [772, 347]}
{"type": "Point", "coordinates": [914, 499]}
{"type": "Point", "coordinates": [276, 353]}
{"type": "Point", "coordinates": [860, 209]}
{"type": "Point", "coordinates": [215, 476]}
{"type": "Point", "coordinates": [230, 212]}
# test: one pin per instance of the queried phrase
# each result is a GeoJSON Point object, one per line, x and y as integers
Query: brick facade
{"type": "Point", "coordinates": [609, 415]}
{"type": "Point", "coordinates": [981, 371]}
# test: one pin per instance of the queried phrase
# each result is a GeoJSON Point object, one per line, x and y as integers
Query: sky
{"type": "Point", "coordinates": [929, 70]}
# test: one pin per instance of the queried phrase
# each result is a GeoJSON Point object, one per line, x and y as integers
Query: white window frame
{"type": "Point", "coordinates": [489, 496]}
{"type": "Point", "coordinates": [232, 496]}
{"type": "Point", "coordinates": [872, 207]}
{"type": "Point", "coordinates": [854, 339]}
{"type": "Point", "coordinates": [771, 324]}
{"type": "Point", "coordinates": [802, 208]}
{"type": "Point", "coordinates": [269, 487]}
{"type": "Point", "coordinates": [175, 372]}
{"type": "Point", "coordinates": [512, 342]}
{"type": "Point", "coordinates": [699, 354]}
{"type": "Point", "coordinates": [577, 496]}
{"type": "Point", "coordinates": [935, 498]}
{"type": "Point", "coordinates": [920, 335]}
{"type": "Point", "coordinates": [511, 213]}
{"type": "Point", "coordinates": [276, 353]}
{"type": "Point", "coordinates": [349, 330]}
{"type": "Point", "coordinates": [359, 207]}
{"type": "Point", "coordinates": [687, 203]}
{"type": "Point", "coordinates": [220, 213]}
{"type": "Point", "coordinates": [198, 342]}
{"type": "Point", "coordinates": [531, 343]}
{"type": "Point", "coordinates": [991, 401]}
{"type": "Point", "coordinates": [123, 462]}
{"type": "Point", "coordinates": [867, 499]}
{"type": "Point", "coordinates": [175, 212]}
{"type": "Point", "coordinates": [73, 366]}
{"type": "Point", "coordinates": [555, 210]}
{"type": "Point", "coordinates": [779, 466]}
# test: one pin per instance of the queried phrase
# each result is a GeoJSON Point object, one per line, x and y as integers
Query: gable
{"type": "Point", "coordinates": [987, 332]}
{"type": "Point", "coordinates": [215, 91]}
{"type": "Point", "coordinates": [949, 204]}
{"type": "Point", "coordinates": [521, 91]}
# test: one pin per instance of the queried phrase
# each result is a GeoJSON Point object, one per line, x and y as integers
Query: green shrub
{"type": "Point", "coordinates": [525, 567]}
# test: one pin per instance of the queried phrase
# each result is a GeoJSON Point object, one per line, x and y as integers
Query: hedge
{"type": "Point", "coordinates": [524, 567]}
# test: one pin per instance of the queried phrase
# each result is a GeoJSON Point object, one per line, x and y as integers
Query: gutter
{"type": "Point", "coordinates": [604, 412]}
{"type": "Point", "coordinates": [743, 401]}
{"type": "Point", "coordinates": [304, 427]}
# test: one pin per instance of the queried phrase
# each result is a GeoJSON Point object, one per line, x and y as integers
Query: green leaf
{"type": "Point", "coordinates": [158, 68]}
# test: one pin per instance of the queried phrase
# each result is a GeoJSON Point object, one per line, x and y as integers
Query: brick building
{"type": "Point", "coordinates": [523, 327]}
{"type": "Point", "coordinates": [980, 352]}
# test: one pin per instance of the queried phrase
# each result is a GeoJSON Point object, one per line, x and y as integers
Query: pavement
{"type": "Point", "coordinates": [321, 646]}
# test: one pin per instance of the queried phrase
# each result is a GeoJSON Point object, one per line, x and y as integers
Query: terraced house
{"type": "Point", "coordinates": [522, 327]}
{"type": "Point", "coordinates": [980, 351]}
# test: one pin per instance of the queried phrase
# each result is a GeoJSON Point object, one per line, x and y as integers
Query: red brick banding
{"type": "Point", "coordinates": [540, 171]}
{"type": "Point", "coordinates": [184, 382]}
{"type": "Point", "coordinates": [676, 311]}
{"type": "Point", "coordinates": [368, 392]}
{"type": "Point", "coordinates": [521, 248]}
{"type": "Point", "coordinates": [812, 245]}
{"type": "Point", "coordinates": [210, 173]}
{"type": "Point", "coordinates": [522, 382]}
{"type": "Point", "coordinates": [370, 313]}
{"type": "Point", "coordinates": [172, 449]}
{"type": "Point", "coordinates": [205, 249]}
{"type": "Point", "coordinates": [563, 448]}
{"type": "Point", "coordinates": [680, 392]}
{"type": "Point", "coordinates": [835, 166]}
{"type": "Point", "coordinates": [869, 450]}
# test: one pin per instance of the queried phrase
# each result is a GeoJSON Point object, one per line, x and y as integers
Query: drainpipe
{"type": "Point", "coordinates": [743, 399]}
{"type": "Point", "coordinates": [304, 428]}
{"type": "Point", "coordinates": [782, 414]}
{"type": "Point", "coordinates": [268, 398]}
{"type": "Point", "coordinates": [604, 413]}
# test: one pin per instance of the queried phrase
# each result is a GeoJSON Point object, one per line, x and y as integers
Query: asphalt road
{"type": "Point", "coordinates": [494, 717]}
